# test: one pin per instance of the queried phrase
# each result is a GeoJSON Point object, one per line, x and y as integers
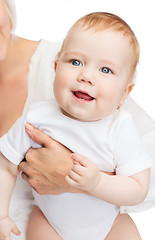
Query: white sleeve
{"type": "Point", "coordinates": [130, 153]}
{"type": "Point", "coordinates": [142, 120]}
{"type": "Point", "coordinates": [15, 143]}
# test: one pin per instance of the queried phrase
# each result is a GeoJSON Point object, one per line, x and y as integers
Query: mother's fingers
{"type": "Point", "coordinates": [25, 168]}
{"type": "Point", "coordinates": [35, 184]}
{"type": "Point", "coordinates": [25, 176]}
{"type": "Point", "coordinates": [22, 166]}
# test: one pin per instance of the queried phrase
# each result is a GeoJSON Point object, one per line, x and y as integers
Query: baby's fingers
{"type": "Point", "coordinates": [71, 182]}
{"type": "Point", "coordinates": [81, 160]}
{"type": "Point", "coordinates": [15, 230]}
{"type": "Point", "coordinates": [7, 238]}
{"type": "Point", "coordinates": [74, 175]}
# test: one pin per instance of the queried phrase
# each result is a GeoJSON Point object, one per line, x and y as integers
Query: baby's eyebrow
{"type": "Point", "coordinates": [73, 53]}
{"type": "Point", "coordinates": [105, 61]}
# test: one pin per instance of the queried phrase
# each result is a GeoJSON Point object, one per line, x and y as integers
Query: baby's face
{"type": "Point", "coordinates": [92, 74]}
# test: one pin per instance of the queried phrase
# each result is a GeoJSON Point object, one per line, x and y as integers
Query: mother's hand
{"type": "Point", "coordinates": [46, 167]}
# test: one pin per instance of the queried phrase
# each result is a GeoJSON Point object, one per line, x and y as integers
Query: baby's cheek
{"type": "Point", "coordinates": [107, 91]}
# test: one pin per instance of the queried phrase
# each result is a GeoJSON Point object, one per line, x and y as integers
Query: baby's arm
{"type": "Point", "coordinates": [118, 189]}
{"type": "Point", "coordinates": [8, 174]}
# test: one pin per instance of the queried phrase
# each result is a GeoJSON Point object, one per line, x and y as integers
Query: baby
{"type": "Point", "coordinates": [94, 75]}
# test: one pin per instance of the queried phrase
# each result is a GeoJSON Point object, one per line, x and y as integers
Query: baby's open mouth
{"type": "Point", "coordinates": [83, 96]}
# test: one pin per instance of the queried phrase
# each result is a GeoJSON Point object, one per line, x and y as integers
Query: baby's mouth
{"type": "Point", "coordinates": [83, 96]}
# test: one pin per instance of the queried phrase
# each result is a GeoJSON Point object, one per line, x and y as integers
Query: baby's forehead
{"type": "Point", "coordinates": [125, 36]}
{"type": "Point", "coordinates": [80, 34]}
{"type": "Point", "coordinates": [92, 31]}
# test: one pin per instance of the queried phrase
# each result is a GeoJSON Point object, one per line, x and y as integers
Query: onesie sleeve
{"type": "Point", "coordinates": [130, 153]}
{"type": "Point", "coordinates": [15, 143]}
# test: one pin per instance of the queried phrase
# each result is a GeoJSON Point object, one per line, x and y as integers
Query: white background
{"type": "Point", "coordinates": [51, 20]}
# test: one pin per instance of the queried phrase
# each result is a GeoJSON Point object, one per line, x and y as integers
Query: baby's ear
{"type": "Point", "coordinates": [127, 90]}
{"type": "Point", "coordinates": [56, 60]}
{"type": "Point", "coordinates": [55, 64]}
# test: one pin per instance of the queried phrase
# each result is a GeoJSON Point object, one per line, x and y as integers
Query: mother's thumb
{"type": "Point", "coordinates": [37, 135]}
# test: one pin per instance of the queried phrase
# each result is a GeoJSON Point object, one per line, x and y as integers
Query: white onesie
{"type": "Point", "coordinates": [112, 143]}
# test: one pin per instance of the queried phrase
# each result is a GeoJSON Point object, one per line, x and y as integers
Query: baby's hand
{"type": "Point", "coordinates": [6, 227]}
{"type": "Point", "coordinates": [84, 174]}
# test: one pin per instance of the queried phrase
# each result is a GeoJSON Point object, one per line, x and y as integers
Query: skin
{"type": "Point", "coordinates": [13, 85]}
{"type": "Point", "coordinates": [100, 70]}
{"type": "Point", "coordinates": [123, 228]}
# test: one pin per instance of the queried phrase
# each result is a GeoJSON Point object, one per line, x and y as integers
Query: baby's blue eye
{"type": "Point", "coordinates": [105, 70]}
{"type": "Point", "coordinates": [76, 63]}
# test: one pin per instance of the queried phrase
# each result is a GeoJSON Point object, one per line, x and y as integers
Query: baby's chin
{"type": "Point", "coordinates": [81, 115]}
